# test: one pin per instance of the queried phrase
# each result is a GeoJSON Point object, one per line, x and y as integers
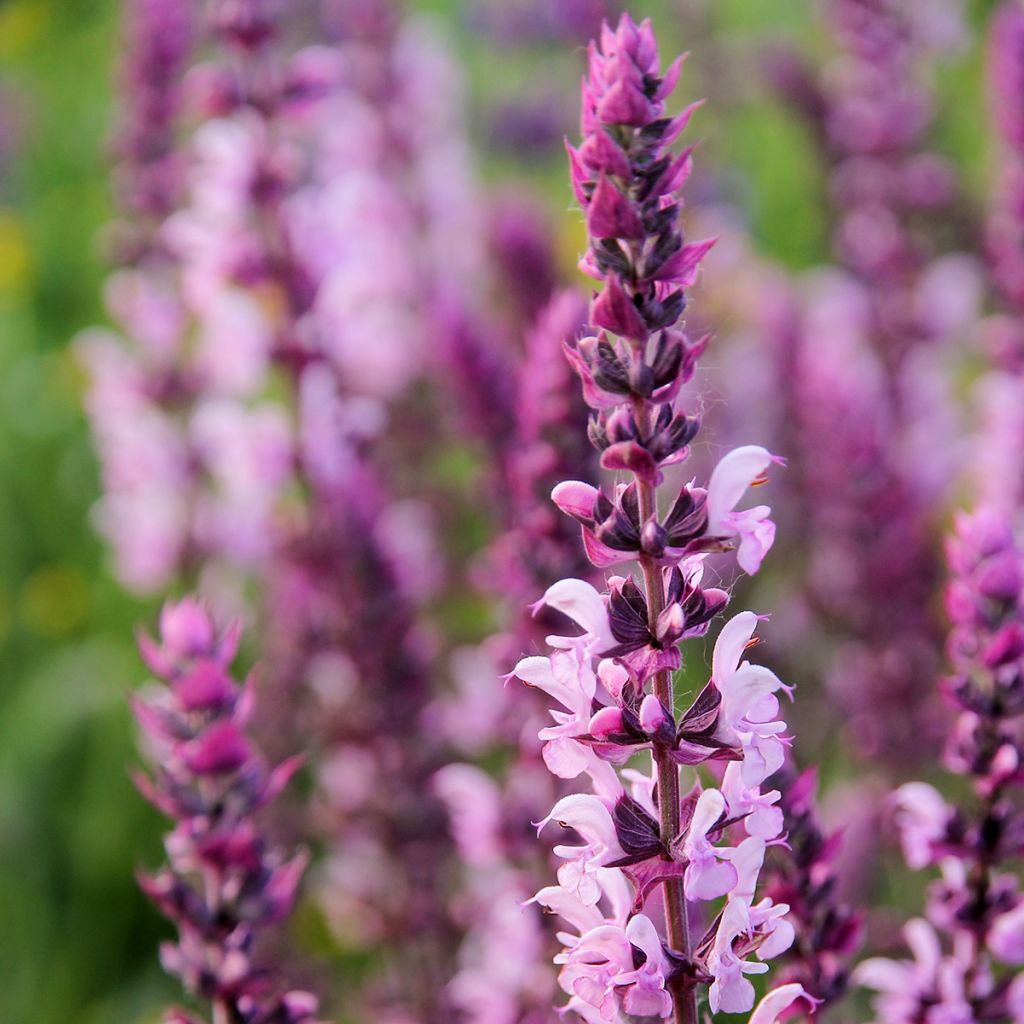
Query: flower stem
{"type": "Point", "coordinates": [684, 997]}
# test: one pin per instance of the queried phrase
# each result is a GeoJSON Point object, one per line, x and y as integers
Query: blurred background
{"type": "Point", "coordinates": [77, 940]}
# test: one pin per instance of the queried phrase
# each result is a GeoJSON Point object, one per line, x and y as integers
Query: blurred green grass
{"type": "Point", "coordinates": [77, 938]}
{"type": "Point", "coordinates": [77, 941]}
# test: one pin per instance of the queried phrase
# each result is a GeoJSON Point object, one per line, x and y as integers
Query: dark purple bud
{"type": "Point", "coordinates": [609, 370]}
{"type": "Point", "coordinates": [641, 379]}
{"type": "Point", "coordinates": [671, 625]}
{"type": "Point", "coordinates": [653, 539]}
{"type": "Point", "coordinates": [636, 831]}
{"type": "Point", "coordinates": [701, 718]}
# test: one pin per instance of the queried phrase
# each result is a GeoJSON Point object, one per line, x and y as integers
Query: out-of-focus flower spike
{"type": "Point", "coordinates": [211, 780]}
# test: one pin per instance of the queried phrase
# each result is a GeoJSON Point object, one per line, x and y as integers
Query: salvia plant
{"type": "Point", "coordinates": [306, 303]}
{"type": "Point", "coordinates": [646, 849]}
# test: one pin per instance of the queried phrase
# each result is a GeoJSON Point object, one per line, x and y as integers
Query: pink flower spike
{"type": "Point", "coordinates": [186, 628]}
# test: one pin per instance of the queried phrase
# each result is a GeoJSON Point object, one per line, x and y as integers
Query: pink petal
{"type": "Point", "coordinates": [774, 1003]}
{"type": "Point", "coordinates": [576, 499]}
{"type": "Point", "coordinates": [730, 480]}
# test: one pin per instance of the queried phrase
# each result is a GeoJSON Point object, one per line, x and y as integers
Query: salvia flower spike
{"type": "Point", "coordinates": [638, 840]}
{"type": "Point", "coordinates": [222, 883]}
{"type": "Point", "coordinates": [975, 902]}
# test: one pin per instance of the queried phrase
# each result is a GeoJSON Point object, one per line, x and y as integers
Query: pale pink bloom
{"type": "Point", "coordinates": [147, 473]}
{"type": "Point", "coordinates": [582, 603]}
{"type": "Point", "coordinates": [766, 918]}
{"type": "Point", "coordinates": [707, 875]}
{"type": "Point", "coordinates": [749, 704]}
{"type": "Point", "coordinates": [921, 815]}
{"type": "Point", "coordinates": [590, 817]}
{"type": "Point", "coordinates": [602, 966]}
{"type": "Point", "coordinates": [730, 991]}
{"type": "Point", "coordinates": [473, 715]}
{"type": "Point", "coordinates": [331, 425]}
{"type": "Point", "coordinates": [247, 452]}
{"type": "Point", "coordinates": [473, 799]}
{"type": "Point", "coordinates": [588, 986]}
{"type": "Point", "coordinates": [905, 987]}
{"type": "Point", "coordinates": [501, 964]}
{"type": "Point", "coordinates": [568, 677]}
{"type": "Point", "coordinates": [747, 858]}
{"type": "Point", "coordinates": [1006, 936]}
{"type": "Point", "coordinates": [769, 919]}
{"type": "Point", "coordinates": [763, 818]}
{"type": "Point", "coordinates": [1015, 998]}
{"type": "Point", "coordinates": [592, 1014]}
{"type": "Point", "coordinates": [407, 533]}
{"type": "Point", "coordinates": [997, 456]}
{"type": "Point", "coordinates": [645, 994]}
{"type": "Point", "coordinates": [775, 1003]}
{"type": "Point", "coordinates": [212, 237]}
{"type": "Point", "coordinates": [233, 344]}
{"type": "Point", "coordinates": [148, 311]}
{"type": "Point", "coordinates": [731, 478]}
{"type": "Point", "coordinates": [948, 295]}
{"type": "Point", "coordinates": [348, 778]}
{"type": "Point", "coordinates": [616, 897]}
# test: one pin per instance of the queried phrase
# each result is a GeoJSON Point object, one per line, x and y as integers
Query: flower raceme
{"type": "Point", "coordinates": [975, 902]}
{"type": "Point", "coordinates": [641, 843]}
{"type": "Point", "coordinates": [222, 883]}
